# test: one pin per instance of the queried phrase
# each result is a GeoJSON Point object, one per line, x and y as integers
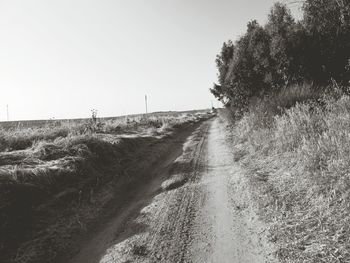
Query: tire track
{"type": "Point", "coordinates": [210, 218]}
{"type": "Point", "coordinates": [182, 207]}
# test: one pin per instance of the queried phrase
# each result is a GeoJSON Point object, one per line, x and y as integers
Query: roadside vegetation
{"type": "Point", "coordinates": [300, 162]}
{"type": "Point", "coordinates": [286, 89]}
{"type": "Point", "coordinates": [56, 180]}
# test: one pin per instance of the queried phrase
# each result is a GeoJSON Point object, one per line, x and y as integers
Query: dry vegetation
{"type": "Point", "coordinates": [56, 179]}
{"type": "Point", "coordinates": [293, 138]}
{"type": "Point", "coordinates": [299, 160]}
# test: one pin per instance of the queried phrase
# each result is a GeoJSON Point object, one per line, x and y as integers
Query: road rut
{"type": "Point", "coordinates": [204, 212]}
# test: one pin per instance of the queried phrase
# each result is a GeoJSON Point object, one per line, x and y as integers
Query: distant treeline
{"type": "Point", "coordinates": [285, 52]}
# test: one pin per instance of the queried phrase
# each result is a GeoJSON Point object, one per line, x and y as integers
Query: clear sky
{"type": "Point", "coordinates": [62, 58]}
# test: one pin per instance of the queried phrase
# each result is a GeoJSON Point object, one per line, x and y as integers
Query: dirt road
{"type": "Point", "coordinates": [202, 213]}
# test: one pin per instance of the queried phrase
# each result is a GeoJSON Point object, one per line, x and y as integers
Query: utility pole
{"type": "Point", "coordinates": [146, 104]}
{"type": "Point", "coordinates": [7, 112]}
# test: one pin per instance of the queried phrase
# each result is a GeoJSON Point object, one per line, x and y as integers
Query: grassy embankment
{"type": "Point", "coordinates": [296, 148]}
{"type": "Point", "coordinates": [57, 180]}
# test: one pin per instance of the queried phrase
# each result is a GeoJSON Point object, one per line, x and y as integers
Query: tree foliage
{"type": "Point", "coordinates": [285, 52]}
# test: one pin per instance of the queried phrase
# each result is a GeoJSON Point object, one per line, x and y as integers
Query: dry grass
{"type": "Point", "coordinates": [303, 155]}
{"type": "Point", "coordinates": [174, 181]}
{"type": "Point", "coordinates": [15, 137]}
{"type": "Point", "coordinates": [50, 176]}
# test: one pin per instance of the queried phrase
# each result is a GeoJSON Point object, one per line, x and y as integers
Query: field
{"type": "Point", "coordinates": [57, 177]}
{"type": "Point", "coordinates": [164, 115]}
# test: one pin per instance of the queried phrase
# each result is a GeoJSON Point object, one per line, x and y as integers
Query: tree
{"type": "Point", "coordinates": [285, 52]}
{"type": "Point", "coordinates": [327, 26]}
{"type": "Point", "coordinates": [243, 67]}
{"type": "Point", "coordinates": [222, 63]}
{"type": "Point", "coordinates": [281, 28]}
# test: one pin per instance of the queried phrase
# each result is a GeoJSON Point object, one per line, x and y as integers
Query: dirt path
{"type": "Point", "coordinates": [207, 218]}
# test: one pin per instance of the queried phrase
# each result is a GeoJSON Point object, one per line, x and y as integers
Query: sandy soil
{"type": "Point", "coordinates": [207, 216]}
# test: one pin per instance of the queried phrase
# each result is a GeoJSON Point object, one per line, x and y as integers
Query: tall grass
{"type": "Point", "coordinates": [21, 139]}
{"type": "Point", "coordinates": [302, 153]}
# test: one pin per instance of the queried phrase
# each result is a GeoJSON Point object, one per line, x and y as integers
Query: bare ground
{"type": "Point", "coordinates": [196, 209]}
